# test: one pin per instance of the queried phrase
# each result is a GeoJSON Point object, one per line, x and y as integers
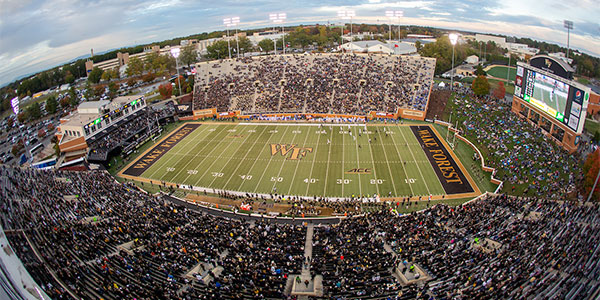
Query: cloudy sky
{"type": "Point", "coordinates": [36, 35]}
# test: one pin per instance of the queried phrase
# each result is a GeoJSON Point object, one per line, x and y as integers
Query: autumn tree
{"type": "Point", "coordinates": [99, 90]}
{"type": "Point", "coordinates": [266, 45]}
{"type": "Point", "coordinates": [51, 104]}
{"type": "Point", "coordinates": [188, 55]}
{"type": "Point", "coordinates": [481, 86]}
{"type": "Point", "coordinates": [165, 90]}
{"type": "Point", "coordinates": [106, 76]}
{"type": "Point", "coordinates": [34, 111]}
{"type": "Point", "coordinates": [112, 90]}
{"type": "Point", "coordinates": [135, 67]}
{"type": "Point", "coordinates": [73, 99]}
{"type": "Point", "coordinates": [500, 91]}
{"type": "Point", "coordinates": [218, 50]}
{"type": "Point", "coordinates": [591, 167]}
{"type": "Point", "coordinates": [69, 78]}
{"type": "Point", "coordinates": [95, 75]}
{"type": "Point", "coordinates": [479, 71]}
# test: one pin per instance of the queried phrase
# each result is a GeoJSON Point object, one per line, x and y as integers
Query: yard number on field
{"type": "Point", "coordinates": [246, 177]}
{"type": "Point", "coordinates": [409, 180]}
{"type": "Point", "coordinates": [277, 179]}
{"type": "Point", "coordinates": [310, 180]}
{"type": "Point", "coordinates": [343, 181]}
{"type": "Point", "coordinates": [216, 174]}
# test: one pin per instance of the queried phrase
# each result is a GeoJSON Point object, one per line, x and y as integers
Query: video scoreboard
{"type": "Point", "coordinates": [562, 99]}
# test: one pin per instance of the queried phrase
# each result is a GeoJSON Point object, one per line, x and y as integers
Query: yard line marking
{"type": "Point", "coordinates": [269, 163]}
{"type": "Point", "coordinates": [328, 160]}
{"type": "Point", "coordinates": [343, 175]}
{"type": "Point", "coordinates": [420, 172]}
{"type": "Point", "coordinates": [297, 163]}
{"type": "Point", "coordinates": [388, 165]}
{"type": "Point", "coordinates": [184, 145]}
{"type": "Point", "coordinates": [357, 162]}
{"type": "Point", "coordinates": [203, 159]}
{"type": "Point", "coordinates": [189, 151]}
{"type": "Point", "coordinates": [184, 182]}
{"type": "Point", "coordinates": [372, 160]}
{"type": "Point", "coordinates": [218, 158]}
{"type": "Point", "coordinates": [403, 166]}
{"type": "Point", "coordinates": [313, 164]}
{"type": "Point", "coordinates": [238, 165]}
{"type": "Point", "coordinates": [243, 159]}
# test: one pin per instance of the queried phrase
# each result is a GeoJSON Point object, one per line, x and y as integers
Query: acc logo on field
{"type": "Point", "coordinates": [359, 171]}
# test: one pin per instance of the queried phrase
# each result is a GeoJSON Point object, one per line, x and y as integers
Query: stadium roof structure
{"type": "Point", "coordinates": [375, 46]}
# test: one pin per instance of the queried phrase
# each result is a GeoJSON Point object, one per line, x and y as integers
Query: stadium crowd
{"type": "Point", "coordinates": [316, 83]}
{"type": "Point", "coordinates": [106, 240]}
{"type": "Point", "coordinates": [129, 132]}
{"type": "Point", "coordinates": [525, 157]}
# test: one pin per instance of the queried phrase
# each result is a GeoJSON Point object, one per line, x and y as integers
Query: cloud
{"type": "Point", "coordinates": [39, 34]}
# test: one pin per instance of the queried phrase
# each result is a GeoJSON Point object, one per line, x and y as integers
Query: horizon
{"type": "Point", "coordinates": [41, 37]}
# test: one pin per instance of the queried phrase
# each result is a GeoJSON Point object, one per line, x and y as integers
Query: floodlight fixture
{"type": "Point", "coordinates": [453, 38]}
{"type": "Point", "coordinates": [278, 18]}
{"type": "Point", "coordinates": [231, 21]}
{"type": "Point", "coordinates": [346, 14]}
{"type": "Point", "coordinates": [568, 26]}
{"type": "Point", "coordinates": [394, 14]}
{"type": "Point", "coordinates": [175, 52]}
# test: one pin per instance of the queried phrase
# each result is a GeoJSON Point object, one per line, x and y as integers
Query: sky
{"type": "Point", "coordinates": [36, 35]}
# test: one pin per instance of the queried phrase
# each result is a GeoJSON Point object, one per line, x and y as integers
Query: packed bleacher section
{"type": "Point", "coordinates": [315, 83]}
{"type": "Point", "coordinates": [106, 240]}
{"type": "Point", "coordinates": [77, 220]}
{"type": "Point", "coordinates": [523, 155]}
{"type": "Point", "coordinates": [129, 132]}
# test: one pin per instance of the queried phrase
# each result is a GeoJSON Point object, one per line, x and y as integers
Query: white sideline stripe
{"type": "Point", "coordinates": [303, 124]}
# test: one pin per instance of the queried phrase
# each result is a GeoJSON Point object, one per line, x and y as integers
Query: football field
{"type": "Point", "coordinates": [305, 160]}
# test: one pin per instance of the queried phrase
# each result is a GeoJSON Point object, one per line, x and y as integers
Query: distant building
{"type": "Point", "coordinates": [499, 41]}
{"type": "Point", "coordinates": [124, 57]}
{"type": "Point", "coordinates": [256, 37]}
{"type": "Point", "coordinates": [391, 47]}
{"type": "Point", "coordinates": [473, 59]}
{"type": "Point", "coordinates": [561, 56]}
{"type": "Point", "coordinates": [521, 50]}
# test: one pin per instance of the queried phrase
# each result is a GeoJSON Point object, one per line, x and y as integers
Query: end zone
{"type": "Point", "coordinates": [451, 173]}
{"type": "Point", "coordinates": [140, 165]}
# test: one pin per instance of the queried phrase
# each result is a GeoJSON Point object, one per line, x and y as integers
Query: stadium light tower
{"type": "Point", "coordinates": [228, 22]}
{"type": "Point", "coordinates": [394, 15]}
{"type": "Point", "coordinates": [347, 15]}
{"type": "Point", "coordinates": [568, 26]}
{"type": "Point", "coordinates": [278, 19]}
{"type": "Point", "coordinates": [175, 53]}
{"type": "Point", "coordinates": [453, 39]}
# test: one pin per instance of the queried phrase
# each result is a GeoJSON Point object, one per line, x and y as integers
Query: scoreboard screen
{"type": "Point", "coordinates": [560, 98]}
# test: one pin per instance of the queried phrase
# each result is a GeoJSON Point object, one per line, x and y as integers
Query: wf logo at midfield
{"type": "Point", "coordinates": [296, 153]}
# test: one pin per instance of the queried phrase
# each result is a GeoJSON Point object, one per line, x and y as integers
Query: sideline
{"type": "Point", "coordinates": [493, 180]}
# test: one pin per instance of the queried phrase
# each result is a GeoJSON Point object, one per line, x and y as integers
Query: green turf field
{"type": "Point", "coordinates": [259, 158]}
{"type": "Point", "coordinates": [500, 72]}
